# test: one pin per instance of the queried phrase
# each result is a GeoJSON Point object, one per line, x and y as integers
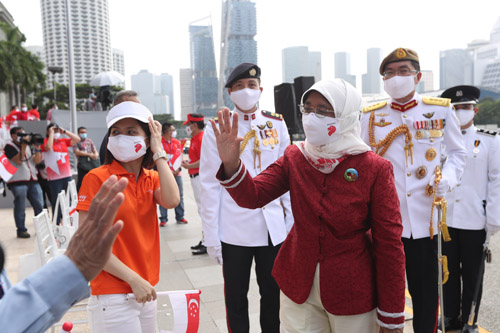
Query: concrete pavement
{"type": "Point", "coordinates": [180, 270]}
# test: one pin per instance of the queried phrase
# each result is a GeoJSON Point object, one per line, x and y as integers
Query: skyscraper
{"type": "Point", "coordinates": [91, 38]}
{"type": "Point", "coordinates": [118, 61]}
{"type": "Point", "coordinates": [315, 65]}
{"type": "Point", "coordinates": [149, 88]}
{"type": "Point", "coordinates": [186, 88]}
{"type": "Point", "coordinates": [295, 62]}
{"type": "Point", "coordinates": [452, 65]}
{"type": "Point", "coordinates": [203, 69]}
{"type": "Point", "coordinates": [371, 80]}
{"type": "Point", "coordinates": [343, 67]}
{"type": "Point", "coordinates": [167, 88]}
{"type": "Point", "coordinates": [426, 82]}
{"type": "Point", "coordinates": [238, 29]}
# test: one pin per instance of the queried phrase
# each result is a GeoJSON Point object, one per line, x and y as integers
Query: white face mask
{"type": "Point", "coordinates": [245, 99]}
{"type": "Point", "coordinates": [24, 109]}
{"type": "Point", "coordinates": [399, 86]}
{"type": "Point", "coordinates": [174, 134]}
{"type": "Point", "coordinates": [320, 131]}
{"type": "Point", "coordinates": [189, 131]}
{"type": "Point", "coordinates": [57, 135]}
{"type": "Point", "coordinates": [126, 148]}
{"type": "Point", "coordinates": [464, 116]}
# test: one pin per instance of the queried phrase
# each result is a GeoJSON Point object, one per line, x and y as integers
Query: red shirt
{"type": "Point", "coordinates": [16, 115]}
{"type": "Point", "coordinates": [351, 228]}
{"type": "Point", "coordinates": [173, 150]}
{"type": "Point", "coordinates": [195, 151]}
{"type": "Point", "coordinates": [33, 115]}
{"type": "Point", "coordinates": [138, 244]}
{"type": "Point", "coordinates": [57, 159]}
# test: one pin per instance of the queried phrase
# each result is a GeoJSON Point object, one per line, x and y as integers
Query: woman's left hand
{"type": "Point", "coordinates": [155, 140]}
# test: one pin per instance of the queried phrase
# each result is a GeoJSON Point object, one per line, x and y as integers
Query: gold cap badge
{"type": "Point", "coordinates": [252, 72]}
{"type": "Point", "coordinates": [400, 53]}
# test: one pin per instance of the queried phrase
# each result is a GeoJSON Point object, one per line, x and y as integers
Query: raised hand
{"type": "Point", "coordinates": [155, 140]}
{"type": "Point", "coordinates": [228, 141]}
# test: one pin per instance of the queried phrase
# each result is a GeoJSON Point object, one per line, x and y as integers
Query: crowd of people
{"type": "Point", "coordinates": [337, 225]}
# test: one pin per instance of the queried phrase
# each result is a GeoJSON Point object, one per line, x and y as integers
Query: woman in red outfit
{"type": "Point", "coordinates": [341, 268]}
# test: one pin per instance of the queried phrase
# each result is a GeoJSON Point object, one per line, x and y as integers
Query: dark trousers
{"type": "Point", "coordinates": [44, 184]}
{"type": "Point", "coordinates": [81, 174]}
{"type": "Point", "coordinates": [422, 277]}
{"type": "Point", "coordinates": [464, 253]}
{"type": "Point", "coordinates": [55, 187]}
{"type": "Point", "coordinates": [236, 268]}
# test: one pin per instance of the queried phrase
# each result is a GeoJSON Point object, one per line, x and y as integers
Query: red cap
{"type": "Point", "coordinates": [193, 117]}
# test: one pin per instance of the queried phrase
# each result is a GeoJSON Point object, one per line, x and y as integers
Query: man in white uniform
{"type": "Point", "coordinates": [409, 131]}
{"type": "Point", "coordinates": [473, 210]}
{"type": "Point", "coordinates": [234, 235]}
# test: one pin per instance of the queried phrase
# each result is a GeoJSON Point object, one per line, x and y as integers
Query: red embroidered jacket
{"type": "Point", "coordinates": [352, 228]}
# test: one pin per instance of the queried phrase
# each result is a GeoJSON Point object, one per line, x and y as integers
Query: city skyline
{"type": "Point", "coordinates": [154, 36]}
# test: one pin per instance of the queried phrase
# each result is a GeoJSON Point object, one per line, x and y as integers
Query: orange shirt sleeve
{"type": "Point", "coordinates": [90, 186]}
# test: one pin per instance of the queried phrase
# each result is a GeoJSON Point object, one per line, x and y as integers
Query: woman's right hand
{"type": "Point", "coordinates": [228, 142]}
{"type": "Point", "coordinates": [143, 290]}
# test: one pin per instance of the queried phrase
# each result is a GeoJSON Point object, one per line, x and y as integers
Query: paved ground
{"type": "Point", "coordinates": [181, 270]}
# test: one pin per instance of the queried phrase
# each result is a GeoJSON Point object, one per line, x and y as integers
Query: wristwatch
{"type": "Point", "coordinates": [160, 154]}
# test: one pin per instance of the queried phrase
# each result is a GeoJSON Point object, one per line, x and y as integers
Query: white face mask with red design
{"type": "Point", "coordinates": [320, 131]}
{"type": "Point", "coordinates": [126, 148]}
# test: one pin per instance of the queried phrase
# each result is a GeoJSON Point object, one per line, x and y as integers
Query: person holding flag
{"type": "Point", "coordinates": [173, 149]}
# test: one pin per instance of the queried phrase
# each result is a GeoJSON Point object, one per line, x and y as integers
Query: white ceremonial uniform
{"type": "Point", "coordinates": [222, 219]}
{"type": "Point", "coordinates": [412, 179]}
{"type": "Point", "coordinates": [473, 203]}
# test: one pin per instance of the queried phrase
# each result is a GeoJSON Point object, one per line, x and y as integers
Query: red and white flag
{"type": "Point", "coordinates": [7, 170]}
{"type": "Point", "coordinates": [186, 309]}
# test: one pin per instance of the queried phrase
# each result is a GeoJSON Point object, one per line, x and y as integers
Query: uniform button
{"type": "Point", "coordinates": [458, 185]}
{"type": "Point", "coordinates": [409, 194]}
{"type": "Point", "coordinates": [405, 116]}
{"type": "Point", "coordinates": [264, 207]}
{"type": "Point", "coordinates": [321, 234]}
{"type": "Point", "coordinates": [458, 200]}
{"type": "Point", "coordinates": [431, 140]}
{"type": "Point", "coordinates": [408, 174]}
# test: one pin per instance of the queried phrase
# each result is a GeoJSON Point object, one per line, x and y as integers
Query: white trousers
{"type": "Point", "coordinates": [311, 316]}
{"type": "Point", "coordinates": [118, 313]}
{"type": "Point", "coordinates": [195, 184]}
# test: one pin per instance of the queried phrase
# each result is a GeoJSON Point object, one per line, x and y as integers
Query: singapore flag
{"type": "Point", "coordinates": [186, 309]}
{"type": "Point", "coordinates": [7, 170]}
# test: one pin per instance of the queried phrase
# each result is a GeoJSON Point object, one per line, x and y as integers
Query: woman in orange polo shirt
{"type": "Point", "coordinates": [134, 144]}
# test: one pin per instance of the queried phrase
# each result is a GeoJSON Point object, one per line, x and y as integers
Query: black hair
{"type": "Point", "coordinates": [81, 128]}
{"type": "Point", "coordinates": [165, 127]}
{"type": "Point", "coordinates": [147, 161]}
{"type": "Point", "coordinates": [34, 106]}
{"type": "Point", "coordinates": [14, 130]}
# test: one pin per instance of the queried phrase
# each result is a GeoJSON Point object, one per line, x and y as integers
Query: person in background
{"type": "Point", "coordinates": [56, 159]}
{"type": "Point", "coordinates": [473, 210]}
{"type": "Point", "coordinates": [121, 96]}
{"type": "Point", "coordinates": [49, 113]}
{"type": "Point", "coordinates": [173, 148]}
{"type": "Point", "coordinates": [412, 131]}
{"type": "Point", "coordinates": [14, 115]}
{"type": "Point", "coordinates": [41, 299]}
{"type": "Point", "coordinates": [87, 155]}
{"type": "Point", "coordinates": [33, 113]}
{"type": "Point", "coordinates": [23, 183]}
{"type": "Point", "coordinates": [92, 104]}
{"type": "Point", "coordinates": [134, 145]}
{"type": "Point", "coordinates": [194, 129]}
{"type": "Point", "coordinates": [341, 268]}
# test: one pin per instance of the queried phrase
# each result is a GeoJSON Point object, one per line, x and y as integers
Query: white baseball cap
{"type": "Point", "coordinates": [128, 110]}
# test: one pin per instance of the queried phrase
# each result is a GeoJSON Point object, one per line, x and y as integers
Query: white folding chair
{"type": "Point", "coordinates": [72, 195]}
{"type": "Point", "coordinates": [68, 223]}
{"type": "Point", "coordinates": [47, 245]}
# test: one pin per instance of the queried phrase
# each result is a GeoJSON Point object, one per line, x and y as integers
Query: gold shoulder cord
{"type": "Point", "coordinates": [256, 148]}
{"type": "Point", "coordinates": [386, 142]}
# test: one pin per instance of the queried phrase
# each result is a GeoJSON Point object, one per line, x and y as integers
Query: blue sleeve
{"type": "Point", "coordinates": [40, 300]}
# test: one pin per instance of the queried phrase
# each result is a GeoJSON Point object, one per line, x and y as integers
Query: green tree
{"type": "Point", "coordinates": [20, 71]}
{"type": "Point", "coordinates": [489, 112]}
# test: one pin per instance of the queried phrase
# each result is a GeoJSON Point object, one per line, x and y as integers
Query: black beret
{"type": "Point", "coordinates": [462, 94]}
{"type": "Point", "coordinates": [245, 70]}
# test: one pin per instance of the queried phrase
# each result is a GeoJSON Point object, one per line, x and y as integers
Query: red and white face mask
{"type": "Point", "coordinates": [126, 148]}
{"type": "Point", "coordinates": [320, 131]}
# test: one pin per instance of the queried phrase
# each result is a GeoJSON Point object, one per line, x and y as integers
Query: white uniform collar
{"type": "Point", "coordinates": [242, 116]}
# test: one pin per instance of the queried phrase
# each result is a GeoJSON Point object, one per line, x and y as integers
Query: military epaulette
{"type": "Point", "coordinates": [272, 115]}
{"type": "Point", "coordinates": [374, 107]}
{"type": "Point", "coordinates": [486, 132]}
{"type": "Point", "coordinates": [436, 101]}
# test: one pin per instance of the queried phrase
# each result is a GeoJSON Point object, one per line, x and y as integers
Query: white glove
{"type": "Point", "coordinates": [215, 253]}
{"type": "Point", "coordinates": [443, 187]}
